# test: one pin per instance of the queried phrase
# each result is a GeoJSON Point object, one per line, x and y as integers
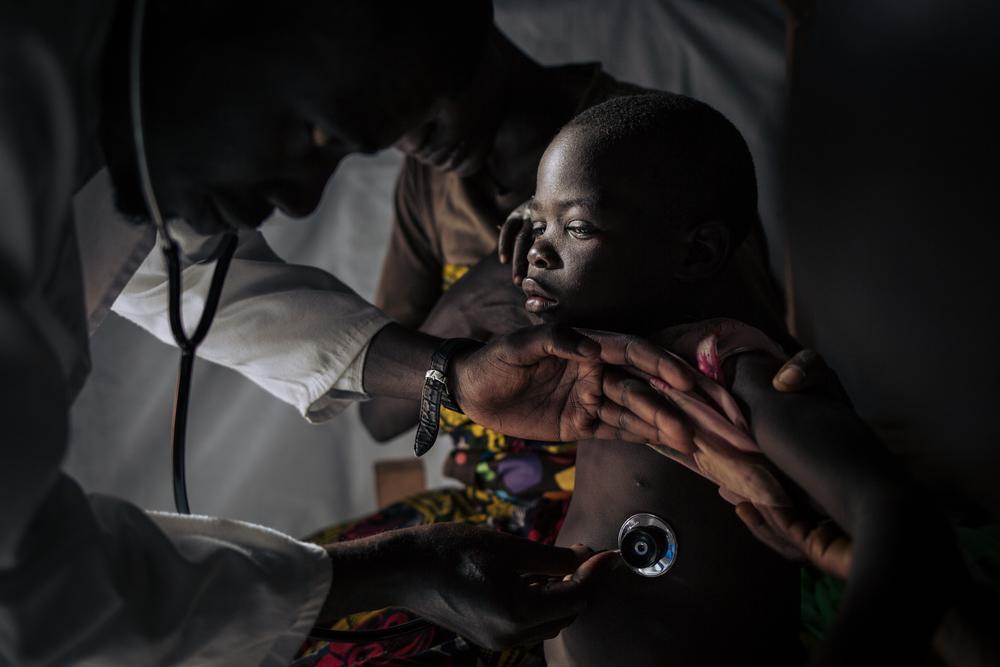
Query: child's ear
{"type": "Point", "coordinates": [708, 247]}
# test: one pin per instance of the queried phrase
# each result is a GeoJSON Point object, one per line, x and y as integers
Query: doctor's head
{"type": "Point", "coordinates": [251, 106]}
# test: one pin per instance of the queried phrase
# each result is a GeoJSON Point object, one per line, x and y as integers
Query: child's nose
{"type": "Point", "coordinates": [542, 255]}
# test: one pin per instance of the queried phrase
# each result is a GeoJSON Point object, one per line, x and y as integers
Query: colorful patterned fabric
{"type": "Point", "coordinates": [451, 274]}
{"type": "Point", "coordinates": [512, 470]}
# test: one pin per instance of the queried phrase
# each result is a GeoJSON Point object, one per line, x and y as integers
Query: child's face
{"type": "Point", "coordinates": [600, 258]}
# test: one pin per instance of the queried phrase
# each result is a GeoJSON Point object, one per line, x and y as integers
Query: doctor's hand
{"type": "Point", "coordinates": [494, 589]}
{"type": "Point", "coordinates": [553, 383]}
{"type": "Point", "coordinates": [498, 590]}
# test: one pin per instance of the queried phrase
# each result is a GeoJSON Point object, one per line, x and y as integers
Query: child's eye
{"type": "Point", "coordinates": [537, 229]}
{"type": "Point", "coordinates": [580, 229]}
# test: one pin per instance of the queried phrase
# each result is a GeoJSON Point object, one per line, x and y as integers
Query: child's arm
{"type": "Point", "coordinates": [905, 561]}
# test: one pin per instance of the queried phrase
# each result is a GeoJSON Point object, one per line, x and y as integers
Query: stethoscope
{"type": "Point", "coordinates": [189, 344]}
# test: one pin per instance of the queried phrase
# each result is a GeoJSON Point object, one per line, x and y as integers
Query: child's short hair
{"type": "Point", "coordinates": [682, 148]}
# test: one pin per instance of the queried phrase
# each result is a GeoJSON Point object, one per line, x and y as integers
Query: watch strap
{"type": "Point", "coordinates": [435, 393]}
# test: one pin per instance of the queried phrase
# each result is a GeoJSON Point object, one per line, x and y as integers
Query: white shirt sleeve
{"type": "Point", "coordinates": [296, 331]}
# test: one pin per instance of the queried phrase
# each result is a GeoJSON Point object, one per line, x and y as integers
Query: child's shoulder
{"type": "Point", "coordinates": [709, 343]}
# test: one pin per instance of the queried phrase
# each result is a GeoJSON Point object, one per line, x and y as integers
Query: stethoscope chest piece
{"type": "Point", "coordinates": [647, 544]}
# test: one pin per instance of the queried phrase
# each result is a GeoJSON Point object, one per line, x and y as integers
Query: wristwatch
{"type": "Point", "coordinates": [435, 393]}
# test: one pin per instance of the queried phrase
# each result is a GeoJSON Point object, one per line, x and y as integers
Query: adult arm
{"type": "Point", "coordinates": [893, 601]}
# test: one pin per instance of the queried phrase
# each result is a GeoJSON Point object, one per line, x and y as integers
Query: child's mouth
{"type": "Point", "coordinates": [539, 300]}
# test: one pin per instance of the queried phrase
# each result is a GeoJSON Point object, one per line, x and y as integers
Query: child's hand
{"type": "Point", "coordinates": [796, 537]}
{"type": "Point", "coordinates": [515, 240]}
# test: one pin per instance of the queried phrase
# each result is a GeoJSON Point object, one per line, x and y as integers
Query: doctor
{"type": "Point", "coordinates": [248, 107]}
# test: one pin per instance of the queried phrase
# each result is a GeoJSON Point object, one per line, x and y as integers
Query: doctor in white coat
{"type": "Point", "coordinates": [248, 107]}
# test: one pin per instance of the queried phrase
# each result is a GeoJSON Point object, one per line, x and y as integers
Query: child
{"type": "Point", "coordinates": [639, 202]}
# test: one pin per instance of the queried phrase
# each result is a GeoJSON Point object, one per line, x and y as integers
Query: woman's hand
{"type": "Point", "coordinates": [492, 588]}
{"type": "Point", "coordinates": [551, 383]}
